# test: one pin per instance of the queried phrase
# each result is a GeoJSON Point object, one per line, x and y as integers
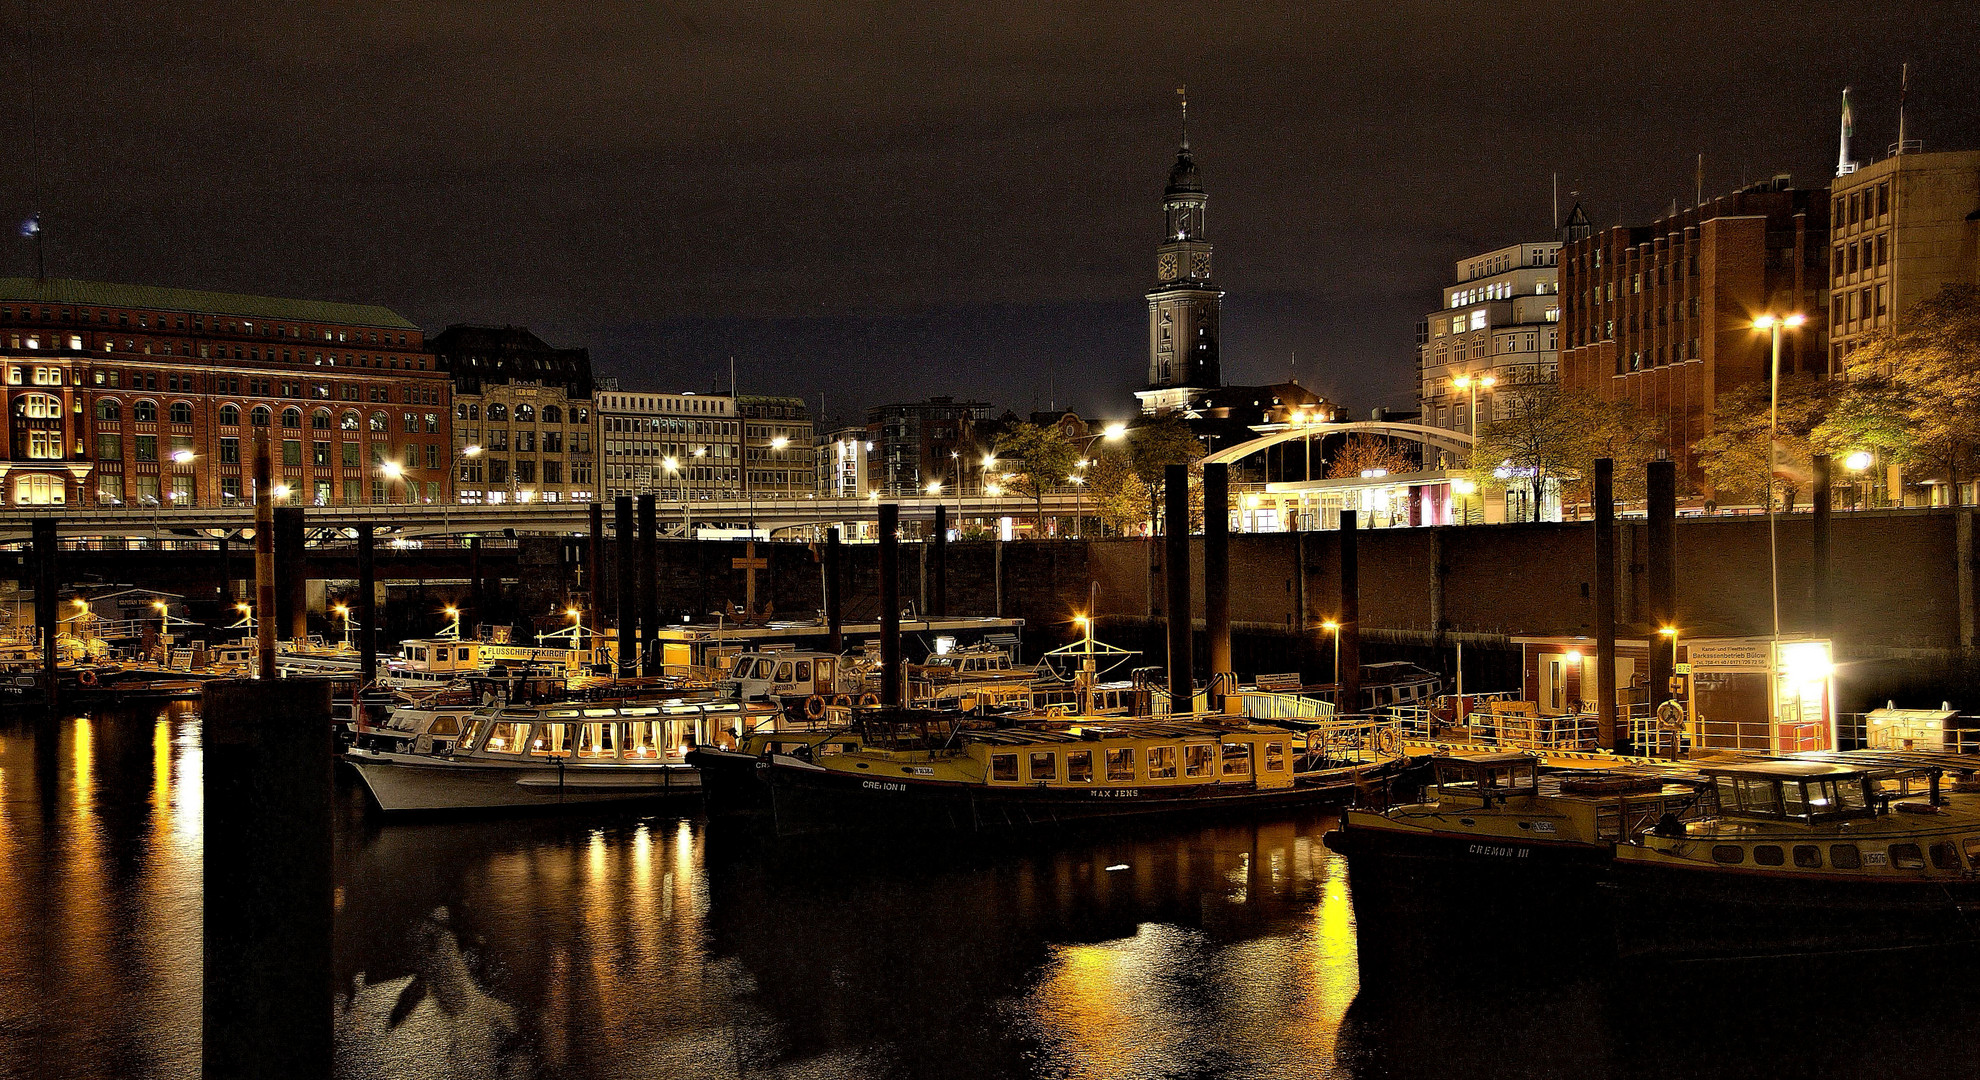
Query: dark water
{"type": "Point", "coordinates": [659, 946]}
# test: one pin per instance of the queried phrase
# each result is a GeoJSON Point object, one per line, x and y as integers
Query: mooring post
{"type": "Point", "coordinates": [47, 605]}
{"type": "Point", "coordinates": [226, 575]}
{"type": "Point", "coordinates": [624, 539]}
{"type": "Point", "coordinates": [594, 568]}
{"type": "Point", "coordinates": [1348, 678]}
{"type": "Point", "coordinates": [264, 563]}
{"type": "Point", "coordinates": [475, 600]}
{"type": "Point", "coordinates": [939, 604]}
{"type": "Point", "coordinates": [649, 588]}
{"type": "Point", "coordinates": [367, 565]}
{"type": "Point", "coordinates": [1824, 510]}
{"type": "Point", "coordinates": [1662, 572]}
{"type": "Point", "coordinates": [1175, 522]}
{"type": "Point", "coordinates": [266, 786]}
{"type": "Point", "coordinates": [292, 572]}
{"type": "Point", "coordinates": [1217, 581]}
{"type": "Point", "coordinates": [1604, 497]}
{"type": "Point", "coordinates": [835, 638]}
{"type": "Point", "coordinates": [890, 604]}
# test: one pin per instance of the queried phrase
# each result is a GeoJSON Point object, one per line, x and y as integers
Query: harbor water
{"type": "Point", "coordinates": [651, 943]}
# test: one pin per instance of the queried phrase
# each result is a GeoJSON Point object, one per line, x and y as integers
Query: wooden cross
{"type": "Point", "coordinates": [750, 564]}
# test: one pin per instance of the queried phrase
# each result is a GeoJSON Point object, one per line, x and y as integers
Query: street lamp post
{"type": "Point", "coordinates": [1774, 325]}
{"type": "Point", "coordinates": [1334, 628]}
{"type": "Point", "coordinates": [1472, 384]}
{"type": "Point", "coordinates": [1856, 462]}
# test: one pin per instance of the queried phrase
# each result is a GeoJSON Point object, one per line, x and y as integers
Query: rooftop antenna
{"type": "Point", "coordinates": [732, 376]}
{"type": "Point", "coordinates": [1557, 202]}
{"type": "Point", "coordinates": [1699, 183]}
{"type": "Point", "coordinates": [1292, 376]}
{"type": "Point", "coordinates": [1904, 91]}
{"type": "Point", "coordinates": [1844, 166]}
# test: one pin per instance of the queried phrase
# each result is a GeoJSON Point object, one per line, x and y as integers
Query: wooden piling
{"type": "Point", "coordinates": [890, 604]}
{"type": "Point", "coordinates": [939, 603]}
{"type": "Point", "coordinates": [1604, 587]}
{"type": "Point", "coordinates": [1175, 518]}
{"type": "Point", "coordinates": [649, 594]}
{"type": "Point", "coordinates": [47, 605]}
{"type": "Point", "coordinates": [835, 637]}
{"type": "Point", "coordinates": [291, 574]}
{"type": "Point", "coordinates": [1348, 699]}
{"type": "Point", "coordinates": [624, 540]}
{"type": "Point", "coordinates": [367, 636]}
{"type": "Point", "coordinates": [1217, 580]}
{"type": "Point", "coordinates": [1824, 511]}
{"type": "Point", "coordinates": [594, 568]}
{"type": "Point", "coordinates": [267, 897]}
{"type": "Point", "coordinates": [1662, 570]}
{"type": "Point", "coordinates": [264, 562]}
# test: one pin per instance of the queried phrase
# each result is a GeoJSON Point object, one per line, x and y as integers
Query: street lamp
{"type": "Point", "coordinates": [344, 611]}
{"type": "Point", "coordinates": [1334, 628]}
{"type": "Point", "coordinates": [453, 630]}
{"type": "Point", "coordinates": [1773, 325]}
{"type": "Point", "coordinates": [1856, 462]}
{"type": "Point", "coordinates": [1473, 383]}
{"type": "Point", "coordinates": [1463, 488]}
{"type": "Point", "coordinates": [1079, 494]}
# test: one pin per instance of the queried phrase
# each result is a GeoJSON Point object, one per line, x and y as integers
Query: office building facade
{"type": "Point", "coordinates": [524, 429]}
{"type": "Point", "coordinates": [1499, 326]}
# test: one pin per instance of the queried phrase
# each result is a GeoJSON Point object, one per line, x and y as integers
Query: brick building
{"type": "Point", "coordinates": [1661, 315]}
{"type": "Point", "coordinates": [1890, 250]}
{"type": "Point", "coordinates": [524, 427]}
{"type": "Point", "coordinates": [132, 395]}
{"type": "Point", "coordinates": [778, 455]}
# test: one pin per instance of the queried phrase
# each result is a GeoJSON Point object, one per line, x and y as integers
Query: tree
{"type": "Point", "coordinates": [1360, 454]}
{"type": "Point", "coordinates": [1551, 434]}
{"type": "Point", "coordinates": [1928, 372]}
{"type": "Point", "coordinates": [1037, 459]}
{"type": "Point", "coordinates": [1152, 448]}
{"type": "Point", "coordinates": [1113, 491]}
{"type": "Point", "coordinates": [1734, 456]}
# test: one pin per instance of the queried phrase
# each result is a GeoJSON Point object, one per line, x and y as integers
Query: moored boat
{"type": "Point", "coordinates": [1805, 856]}
{"type": "Point", "coordinates": [976, 779]}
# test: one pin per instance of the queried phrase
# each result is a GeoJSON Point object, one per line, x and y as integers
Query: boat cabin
{"type": "Point", "coordinates": [1488, 777]}
{"type": "Point", "coordinates": [768, 674]}
{"type": "Point", "coordinates": [1803, 791]}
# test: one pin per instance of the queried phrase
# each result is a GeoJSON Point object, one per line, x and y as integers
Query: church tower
{"type": "Point", "coordinates": [1182, 308]}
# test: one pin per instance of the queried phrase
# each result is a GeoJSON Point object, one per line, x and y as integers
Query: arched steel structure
{"type": "Point", "coordinates": [1437, 438]}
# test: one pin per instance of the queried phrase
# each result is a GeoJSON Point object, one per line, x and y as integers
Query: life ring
{"type": "Point", "coordinates": [87, 677]}
{"type": "Point", "coordinates": [869, 699]}
{"type": "Point", "coordinates": [842, 701]}
{"type": "Point", "coordinates": [1670, 716]}
{"type": "Point", "coordinates": [1389, 740]}
{"type": "Point", "coordinates": [814, 707]}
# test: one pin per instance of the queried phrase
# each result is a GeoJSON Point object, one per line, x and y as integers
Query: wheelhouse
{"type": "Point", "coordinates": [1799, 791]}
{"type": "Point", "coordinates": [1488, 777]}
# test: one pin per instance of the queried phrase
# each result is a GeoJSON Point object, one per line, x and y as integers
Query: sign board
{"type": "Point", "coordinates": [1729, 654]}
{"type": "Point", "coordinates": [1684, 669]}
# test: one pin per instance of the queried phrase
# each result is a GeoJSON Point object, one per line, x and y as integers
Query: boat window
{"type": "Point", "coordinates": [642, 739]}
{"type": "Point", "coordinates": [1728, 853]}
{"type": "Point", "coordinates": [1849, 795]}
{"type": "Point", "coordinates": [1237, 759]}
{"type": "Point", "coordinates": [825, 670]}
{"type": "Point", "coordinates": [463, 654]}
{"type": "Point", "coordinates": [1079, 766]}
{"type": "Point", "coordinates": [1003, 768]}
{"type": "Point", "coordinates": [1972, 846]}
{"type": "Point", "coordinates": [550, 740]}
{"type": "Point", "coordinates": [1196, 758]}
{"type": "Point", "coordinates": [1161, 763]}
{"type": "Point", "coordinates": [1907, 857]}
{"type": "Point", "coordinates": [1768, 855]}
{"type": "Point", "coordinates": [1120, 769]}
{"type": "Point", "coordinates": [416, 654]}
{"type": "Point", "coordinates": [597, 740]}
{"type": "Point", "coordinates": [1044, 765]}
{"type": "Point", "coordinates": [1945, 856]}
{"type": "Point", "coordinates": [804, 671]}
{"type": "Point", "coordinates": [1794, 797]}
{"type": "Point", "coordinates": [445, 725]}
{"type": "Point", "coordinates": [1759, 796]}
{"type": "Point", "coordinates": [1808, 856]}
{"type": "Point", "coordinates": [506, 738]}
{"type": "Point", "coordinates": [1844, 856]}
{"type": "Point", "coordinates": [1275, 757]}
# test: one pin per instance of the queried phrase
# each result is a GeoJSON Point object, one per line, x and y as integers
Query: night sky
{"type": "Point", "coordinates": [882, 202]}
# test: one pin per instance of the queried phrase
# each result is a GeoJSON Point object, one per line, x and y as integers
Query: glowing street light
{"type": "Point", "coordinates": [1773, 325]}
{"type": "Point", "coordinates": [779, 442]}
{"type": "Point", "coordinates": [1334, 628]}
{"type": "Point", "coordinates": [1473, 384]}
{"type": "Point", "coordinates": [182, 457]}
{"type": "Point", "coordinates": [1858, 461]}
{"type": "Point", "coordinates": [344, 612]}
{"type": "Point", "coordinates": [471, 450]}
{"type": "Point", "coordinates": [1114, 432]}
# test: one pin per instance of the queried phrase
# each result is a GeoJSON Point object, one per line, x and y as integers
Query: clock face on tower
{"type": "Point", "coordinates": [1165, 266]}
{"type": "Point", "coordinates": [1199, 264]}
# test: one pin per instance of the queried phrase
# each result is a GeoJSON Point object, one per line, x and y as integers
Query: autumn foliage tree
{"type": "Point", "coordinates": [1550, 434]}
{"type": "Point", "coordinates": [1363, 454]}
{"type": "Point", "coordinates": [1734, 457]}
{"type": "Point", "coordinates": [1914, 393]}
{"type": "Point", "coordinates": [1037, 459]}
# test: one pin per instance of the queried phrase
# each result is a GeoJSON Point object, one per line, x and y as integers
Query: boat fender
{"type": "Point", "coordinates": [86, 677]}
{"type": "Point", "coordinates": [869, 699]}
{"type": "Point", "coordinates": [814, 707]}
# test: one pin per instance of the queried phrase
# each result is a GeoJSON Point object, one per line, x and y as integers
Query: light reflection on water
{"type": "Point", "coordinates": [657, 945]}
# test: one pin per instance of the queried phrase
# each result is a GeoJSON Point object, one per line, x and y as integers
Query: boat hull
{"type": "Point", "coordinates": [805, 798]}
{"type": "Point", "coordinates": [1678, 913]}
{"type": "Point", "coordinates": [409, 783]}
{"type": "Point", "coordinates": [729, 783]}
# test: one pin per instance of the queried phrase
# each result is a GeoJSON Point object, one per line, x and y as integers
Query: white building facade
{"type": "Point", "coordinates": [1499, 326]}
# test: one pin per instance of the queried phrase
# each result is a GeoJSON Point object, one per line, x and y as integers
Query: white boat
{"type": "Point", "coordinates": [562, 754]}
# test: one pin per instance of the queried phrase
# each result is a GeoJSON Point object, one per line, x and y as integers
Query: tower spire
{"type": "Point", "coordinates": [1183, 93]}
{"type": "Point", "coordinates": [1844, 166]}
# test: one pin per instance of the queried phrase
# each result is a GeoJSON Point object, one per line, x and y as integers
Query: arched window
{"type": "Point", "coordinates": [460, 410]}
{"type": "Point", "coordinates": [145, 412]}
{"type": "Point", "coordinates": [230, 415]}
{"type": "Point", "coordinates": [292, 417]}
{"type": "Point", "coordinates": [580, 416]}
{"type": "Point", "coordinates": [182, 412]}
{"type": "Point", "coordinates": [349, 421]}
{"type": "Point", "coordinates": [259, 417]}
{"type": "Point", "coordinates": [38, 407]}
{"type": "Point", "coordinates": [109, 409]}
{"type": "Point", "coordinates": [378, 421]}
{"type": "Point", "coordinates": [525, 414]}
{"type": "Point", "coordinates": [320, 420]}
{"type": "Point", "coordinates": [40, 491]}
{"type": "Point", "coordinates": [552, 415]}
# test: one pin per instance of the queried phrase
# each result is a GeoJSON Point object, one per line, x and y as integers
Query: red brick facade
{"type": "Point", "coordinates": [136, 396]}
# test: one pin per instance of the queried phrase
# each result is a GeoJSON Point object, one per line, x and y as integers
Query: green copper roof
{"type": "Point", "coordinates": [104, 294]}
